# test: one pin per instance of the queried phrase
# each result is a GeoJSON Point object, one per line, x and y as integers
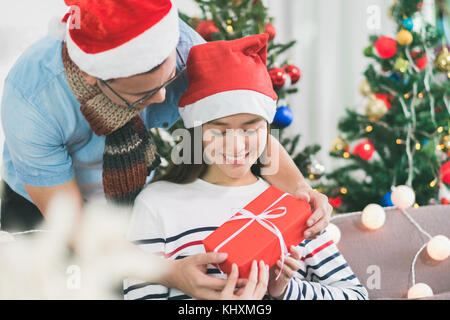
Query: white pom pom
{"type": "Point", "coordinates": [373, 216]}
{"type": "Point", "coordinates": [419, 290]}
{"type": "Point", "coordinates": [334, 232]}
{"type": "Point", "coordinates": [57, 28]}
{"type": "Point", "coordinates": [403, 197]}
{"type": "Point", "coordinates": [438, 248]}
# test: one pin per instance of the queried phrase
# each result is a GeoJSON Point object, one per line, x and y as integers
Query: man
{"type": "Point", "coordinates": [76, 113]}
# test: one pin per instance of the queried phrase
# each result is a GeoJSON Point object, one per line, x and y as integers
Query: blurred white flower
{"type": "Point", "coordinates": [74, 256]}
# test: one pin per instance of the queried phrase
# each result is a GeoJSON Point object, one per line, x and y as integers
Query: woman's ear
{"type": "Point", "coordinates": [89, 79]}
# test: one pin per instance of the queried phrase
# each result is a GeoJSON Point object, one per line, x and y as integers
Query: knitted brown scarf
{"type": "Point", "coordinates": [130, 154]}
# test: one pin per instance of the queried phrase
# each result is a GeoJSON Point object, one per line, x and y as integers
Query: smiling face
{"type": "Point", "coordinates": [136, 87]}
{"type": "Point", "coordinates": [233, 144]}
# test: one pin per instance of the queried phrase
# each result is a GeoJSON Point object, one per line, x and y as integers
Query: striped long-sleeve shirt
{"type": "Point", "coordinates": [172, 220]}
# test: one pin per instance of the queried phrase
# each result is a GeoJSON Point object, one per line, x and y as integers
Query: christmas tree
{"type": "Point", "coordinates": [403, 137]}
{"type": "Point", "coordinates": [228, 20]}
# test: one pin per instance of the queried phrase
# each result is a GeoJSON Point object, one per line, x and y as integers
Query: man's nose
{"type": "Point", "coordinates": [160, 96]}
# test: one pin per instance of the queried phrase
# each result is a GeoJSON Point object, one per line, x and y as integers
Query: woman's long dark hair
{"type": "Point", "coordinates": [189, 172]}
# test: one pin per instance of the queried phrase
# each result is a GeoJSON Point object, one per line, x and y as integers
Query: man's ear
{"type": "Point", "coordinates": [89, 79]}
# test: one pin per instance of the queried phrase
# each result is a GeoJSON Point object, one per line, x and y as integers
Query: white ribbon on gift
{"type": "Point", "coordinates": [263, 220]}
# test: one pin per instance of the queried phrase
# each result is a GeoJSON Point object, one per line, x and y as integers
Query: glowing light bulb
{"type": "Point", "coordinates": [419, 290]}
{"type": "Point", "coordinates": [438, 248]}
{"type": "Point", "coordinates": [373, 216]}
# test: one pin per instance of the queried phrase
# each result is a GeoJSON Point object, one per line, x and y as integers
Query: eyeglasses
{"type": "Point", "coordinates": [152, 92]}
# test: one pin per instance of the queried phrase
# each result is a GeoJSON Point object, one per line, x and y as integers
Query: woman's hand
{"type": "Point", "coordinates": [189, 276]}
{"type": "Point", "coordinates": [277, 288]}
{"type": "Point", "coordinates": [254, 289]}
{"type": "Point", "coordinates": [321, 211]}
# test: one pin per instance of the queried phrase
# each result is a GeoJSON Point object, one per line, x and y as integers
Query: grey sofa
{"type": "Point", "coordinates": [389, 251]}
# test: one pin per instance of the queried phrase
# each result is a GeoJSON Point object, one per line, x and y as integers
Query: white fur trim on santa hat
{"type": "Point", "coordinates": [228, 103]}
{"type": "Point", "coordinates": [136, 56]}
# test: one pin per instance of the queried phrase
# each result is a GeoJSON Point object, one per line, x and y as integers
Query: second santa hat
{"type": "Point", "coordinates": [120, 38]}
{"type": "Point", "coordinates": [227, 78]}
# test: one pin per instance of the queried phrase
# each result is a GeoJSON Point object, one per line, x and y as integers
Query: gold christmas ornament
{"type": "Point", "coordinates": [404, 37]}
{"type": "Point", "coordinates": [236, 3]}
{"type": "Point", "coordinates": [376, 109]}
{"type": "Point", "coordinates": [445, 142]}
{"type": "Point", "coordinates": [401, 65]}
{"type": "Point", "coordinates": [338, 145]}
{"type": "Point", "coordinates": [443, 60]}
{"type": "Point", "coordinates": [364, 88]}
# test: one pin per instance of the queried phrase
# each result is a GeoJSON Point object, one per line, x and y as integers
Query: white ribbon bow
{"type": "Point", "coordinates": [262, 219]}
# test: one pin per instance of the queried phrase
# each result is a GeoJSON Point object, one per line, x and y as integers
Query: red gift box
{"type": "Point", "coordinates": [262, 230]}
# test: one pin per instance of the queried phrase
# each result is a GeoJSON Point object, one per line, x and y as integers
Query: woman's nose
{"type": "Point", "coordinates": [236, 143]}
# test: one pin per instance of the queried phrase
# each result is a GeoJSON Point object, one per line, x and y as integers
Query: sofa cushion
{"type": "Point", "coordinates": [382, 258]}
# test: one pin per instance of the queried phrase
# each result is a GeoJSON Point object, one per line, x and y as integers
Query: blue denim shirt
{"type": "Point", "coordinates": [47, 140]}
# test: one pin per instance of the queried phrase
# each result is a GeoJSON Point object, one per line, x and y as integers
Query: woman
{"type": "Point", "coordinates": [232, 104]}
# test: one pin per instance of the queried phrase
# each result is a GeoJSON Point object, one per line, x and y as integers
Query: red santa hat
{"type": "Point", "coordinates": [227, 78]}
{"type": "Point", "coordinates": [120, 38]}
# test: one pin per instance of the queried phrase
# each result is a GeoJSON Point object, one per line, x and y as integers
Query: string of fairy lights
{"type": "Point", "coordinates": [373, 217]}
{"type": "Point", "coordinates": [381, 101]}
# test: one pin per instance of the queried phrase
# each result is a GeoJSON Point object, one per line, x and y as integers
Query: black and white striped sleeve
{"type": "Point", "coordinates": [146, 231]}
{"type": "Point", "coordinates": [324, 274]}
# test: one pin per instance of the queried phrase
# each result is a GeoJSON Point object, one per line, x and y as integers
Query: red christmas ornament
{"type": "Point", "coordinates": [278, 77]}
{"type": "Point", "coordinates": [445, 172]}
{"type": "Point", "coordinates": [293, 72]}
{"type": "Point", "coordinates": [364, 150]}
{"type": "Point", "coordinates": [270, 29]}
{"type": "Point", "coordinates": [385, 98]}
{"type": "Point", "coordinates": [386, 47]}
{"type": "Point", "coordinates": [206, 28]}
{"type": "Point", "coordinates": [444, 201]}
{"type": "Point", "coordinates": [420, 59]}
{"type": "Point", "coordinates": [335, 202]}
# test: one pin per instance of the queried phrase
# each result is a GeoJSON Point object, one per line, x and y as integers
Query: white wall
{"type": "Point", "coordinates": [331, 35]}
